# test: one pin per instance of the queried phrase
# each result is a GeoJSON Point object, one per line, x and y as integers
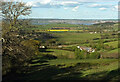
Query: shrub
{"type": "Point", "coordinates": [74, 48]}
{"type": "Point", "coordinates": [77, 53]}
{"type": "Point", "coordinates": [81, 54]}
{"type": "Point", "coordinates": [94, 55]}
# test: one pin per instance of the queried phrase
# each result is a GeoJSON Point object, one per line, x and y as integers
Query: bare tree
{"type": "Point", "coordinates": [12, 10]}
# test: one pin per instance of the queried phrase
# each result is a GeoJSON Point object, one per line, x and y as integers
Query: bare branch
{"type": "Point", "coordinates": [12, 10]}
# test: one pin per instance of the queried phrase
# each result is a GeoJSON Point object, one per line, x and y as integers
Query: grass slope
{"type": "Point", "coordinates": [61, 53]}
{"type": "Point", "coordinates": [69, 69]}
{"type": "Point", "coordinates": [114, 44]}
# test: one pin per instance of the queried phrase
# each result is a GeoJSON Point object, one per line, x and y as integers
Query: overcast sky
{"type": "Point", "coordinates": [73, 9]}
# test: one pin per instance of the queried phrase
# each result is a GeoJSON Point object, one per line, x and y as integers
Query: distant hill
{"type": "Point", "coordinates": [72, 21]}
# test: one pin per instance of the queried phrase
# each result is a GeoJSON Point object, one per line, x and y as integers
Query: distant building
{"type": "Point", "coordinates": [88, 49]}
{"type": "Point", "coordinates": [59, 46]}
{"type": "Point", "coordinates": [42, 47]}
{"type": "Point", "coordinates": [92, 32]}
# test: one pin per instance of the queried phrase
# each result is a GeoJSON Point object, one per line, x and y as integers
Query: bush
{"type": "Point", "coordinates": [94, 55]}
{"type": "Point", "coordinates": [81, 54]}
{"type": "Point", "coordinates": [74, 48]}
{"type": "Point", "coordinates": [77, 53]}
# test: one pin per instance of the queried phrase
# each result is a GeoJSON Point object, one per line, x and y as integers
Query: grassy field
{"type": "Point", "coordinates": [66, 37]}
{"type": "Point", "coordinates": [74, 61]}
{"type": "Point", "coordinates": [113, 44]}
{"type": "Point", "coordinates": [65, 66]}
{"type": "Point", "coordinates": [113, 51]}
{"type": "Point", "coordinates": [60, 53]}
{"type": "Point", "coordinates": [72, 69]}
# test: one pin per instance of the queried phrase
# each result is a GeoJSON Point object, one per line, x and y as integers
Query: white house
{"type": "Point", "coordinates": [88, 49]}
{"type": "Point", "coordinates": [42, 47]}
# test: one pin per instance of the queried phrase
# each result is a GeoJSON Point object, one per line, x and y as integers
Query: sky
{"type": "Point", "coordinates": [73, 9]}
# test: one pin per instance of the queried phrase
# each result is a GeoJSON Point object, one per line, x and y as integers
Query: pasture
{"type": "Point", "coordinates": [113, 44]}
{"type": "Point", "coordinates": [66, 37]}
{"type": "Point", "coordinates": [60, 53]}
{"type": "Point", "coordinates": [71, 69]}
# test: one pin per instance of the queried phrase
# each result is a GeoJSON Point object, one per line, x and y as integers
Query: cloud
{"type": "Point", "coordinates": [116, 8]}
{"type": "Point", "coordinates": [93, 0]}
{"type": "Point", "coordinates": [90, 1]}
{"type": "Point", "coordinates": [53, 3]}
{"type": "Point", "coordinates": [95, 5]}
{"type": "Point", "coordinates": [69, 3]}
{"type": "Point", "coordinates": [45, 1]}
{"type": "Point", "coordinates": [65, 8]}
{"type": "Point", "coordinates": [39, 3]}
{"type": "Point", "coordinates": [102, 8]}
{"type": "Point", "coordinates": [101, 5]}
{"type": "Point", "coordinates": [68, 0]}
{"type": "Point", "coordinates": [75, 8]}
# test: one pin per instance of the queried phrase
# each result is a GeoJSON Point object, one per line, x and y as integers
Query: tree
{"type": "Point", "coordinates": [15, 55]}
{"type": "Point", "coordinates": [77, 53]}
{"type": "Point", "coordinates": [12, 10]}
{"type": "Point", "coordinates": [81, 54]}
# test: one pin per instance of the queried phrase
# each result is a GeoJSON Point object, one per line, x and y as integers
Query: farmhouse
{"type": "Point", "coordinates": [42, 47]}
{"type": "Point", "coordinates": [88, 49]}
{"type": "Point", "coordinates": [92, 32]}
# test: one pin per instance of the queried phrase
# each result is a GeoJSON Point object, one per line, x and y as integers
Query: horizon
{"type": "Point", "coordinates": [69, 19]}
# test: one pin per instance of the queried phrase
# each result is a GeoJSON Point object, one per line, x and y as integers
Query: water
{"type": "Point", "coordinates": [69, 23]}
{"type": "Point", "coordinates": [83, 23]}
{"type": "Point", "coordinates": [40, 23]}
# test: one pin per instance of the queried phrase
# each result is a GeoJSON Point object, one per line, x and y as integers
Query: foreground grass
{"type": "Point", "coordinates": [68, 69]}
{"type": "Point", "coordinates": [69, 61]}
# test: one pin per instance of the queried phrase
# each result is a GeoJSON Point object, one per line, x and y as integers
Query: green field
{"type": "Point", "coordinates": [61, 63]}
{"type": "Point", "coordinates": [113, 51]}
{"type": "Point", "coordinates": [66, 37]}
{"type": "Point", "coordinates": [65, 66]}
{"type": "Point", "coordinates": [114, 44]}
{"type": "Point", "coordinates": [70, 69]}
{"type": "Point", "coordinates": [60, 53]}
